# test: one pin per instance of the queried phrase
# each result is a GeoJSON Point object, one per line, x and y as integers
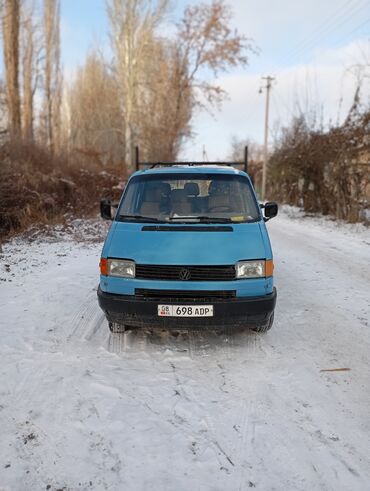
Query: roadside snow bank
{"type": "Point", "coordinates": [327, 222]}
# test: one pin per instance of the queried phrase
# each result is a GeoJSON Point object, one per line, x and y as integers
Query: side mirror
{"type": "Point", "coordinates": [270, 210]}
{"type": "Point", "coordinates": [105, 209]}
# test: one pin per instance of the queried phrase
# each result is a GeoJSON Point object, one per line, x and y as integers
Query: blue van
{"type": "Point", "coordinates": [188, 248]}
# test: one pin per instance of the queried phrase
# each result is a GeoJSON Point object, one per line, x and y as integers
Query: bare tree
{"type": "Point", "coordinates": [93, 113]}
{"type": "Point", "coordinates": [255, 150]}
{"type": "Point", "coordinates": [3, 113]}
{"type": "Point", "coordinates": [206, 41]}
{"type": "Point", "coordinates": [132, 23]}
{"type": "Point", "coordinates": [324, 170]}
{"type": "Point", "coordinates": [52, 73]}
{"type": "Point", "coordinates": [255, 157]}
{"type": "Point", "coordinates": [30, 50]}
{"type": "Point", "coordinates": [11, 23]}
{"type": "Point", "coordinates": [163, 126]}
{"type": "Point", "coordinates": [162, 81]}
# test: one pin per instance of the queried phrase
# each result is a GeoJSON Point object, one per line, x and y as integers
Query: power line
{"type": "Point", "coordinates": [337, 20]}
{"type": "Point", "coordinates": [324, 29]}
{"type": "Point", "coordinates": [278, 99]}
{"type": "Point", "coordinates": [363, 24]}
{"type": "Point", "coordinates": [329, 19]}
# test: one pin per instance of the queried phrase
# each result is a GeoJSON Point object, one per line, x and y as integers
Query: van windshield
{"type": "Point", "coordinates": [184, 198]}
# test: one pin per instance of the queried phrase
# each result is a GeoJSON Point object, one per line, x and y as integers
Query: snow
{"type": "Point", "coordinates": [81, 409]}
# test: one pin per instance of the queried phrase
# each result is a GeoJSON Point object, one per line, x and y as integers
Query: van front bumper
{"type": "Point", "coordinates": [141, 312]}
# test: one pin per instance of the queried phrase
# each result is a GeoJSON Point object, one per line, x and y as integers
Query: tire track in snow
{"type": "Point", "coordinates": [130, 340]}
{"type": "Point", "coordinates": [247, 434]}
{"type": "Point", "coordinates": [87, 321]}
{"type": "Point", "coordinates": [205, 343]}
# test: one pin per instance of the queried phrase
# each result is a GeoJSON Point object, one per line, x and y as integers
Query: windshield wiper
{"type": "Point", "coordinates": [203, 219]}
{"type": "Point", "coordinates": [140, 218]}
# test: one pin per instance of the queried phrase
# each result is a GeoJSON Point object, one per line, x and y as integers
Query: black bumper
{"type": "Point", "coordinates": [141, 312]}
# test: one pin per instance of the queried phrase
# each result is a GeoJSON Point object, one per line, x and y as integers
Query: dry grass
{"type": "Point", "coordinates": [38, 188]}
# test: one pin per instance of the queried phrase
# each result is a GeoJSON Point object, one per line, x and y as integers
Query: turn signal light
{"type": "Point", "coordinates": [269, 268]}
{"type": "Point", "coordinates": [103, 267]}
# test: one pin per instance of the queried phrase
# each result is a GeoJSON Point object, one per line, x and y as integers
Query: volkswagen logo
{"type": "Point", "coordinates": [184, 274]}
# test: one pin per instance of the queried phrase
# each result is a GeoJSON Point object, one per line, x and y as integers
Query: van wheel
{"type": "Point", "coordinates": [265, 327]}
{"type": "Point", "coordinates": [116, 327]}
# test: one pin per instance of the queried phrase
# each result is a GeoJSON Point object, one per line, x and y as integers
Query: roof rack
{"type": "Point", "coordinates": [151, 165]}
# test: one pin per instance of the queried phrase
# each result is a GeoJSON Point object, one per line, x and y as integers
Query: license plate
{"type": "Point", "coordinates": [185, 310]}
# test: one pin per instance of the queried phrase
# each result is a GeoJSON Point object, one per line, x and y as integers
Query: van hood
{"type": "Point", "coordinates": [194, 244]}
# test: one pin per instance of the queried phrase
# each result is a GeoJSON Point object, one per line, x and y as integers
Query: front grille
{"type": "Point", "coordinates": [175, 295]}
{"type": "Point", "coordinates": [185, 273]}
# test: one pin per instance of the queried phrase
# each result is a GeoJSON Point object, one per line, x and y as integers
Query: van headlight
{"type": "Point", "coordinates": [121, 268]}
{"type": "Point", "coordinates": [250, 269]}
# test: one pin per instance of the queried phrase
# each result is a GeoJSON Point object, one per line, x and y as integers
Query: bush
{"type": "Point", "coordinates": [325, 172]}
{"type": "Point", "coordinates": [36, 187]}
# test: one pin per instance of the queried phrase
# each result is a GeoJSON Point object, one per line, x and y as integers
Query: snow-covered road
{"type": "Point", "coordinates": [80, 409]}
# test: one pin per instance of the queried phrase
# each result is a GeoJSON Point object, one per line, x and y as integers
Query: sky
{"type": "Point", "coordinates": [311, 47]}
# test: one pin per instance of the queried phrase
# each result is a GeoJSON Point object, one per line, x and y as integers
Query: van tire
{"type": "Point", "coordinates": [116, 328]}
{"type": "Point", "coordinates": [265, 327]}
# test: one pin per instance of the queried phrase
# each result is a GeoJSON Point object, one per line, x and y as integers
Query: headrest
{"type": "Point", "coordinates": [157, 190]}
{"type": "Point", "coordinates": [191, 189]}
{"type": "Point", "coordinates": [218, 187]}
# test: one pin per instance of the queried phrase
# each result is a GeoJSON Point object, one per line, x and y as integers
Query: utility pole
{"type": "Point", "coordinates": [268, 85]}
